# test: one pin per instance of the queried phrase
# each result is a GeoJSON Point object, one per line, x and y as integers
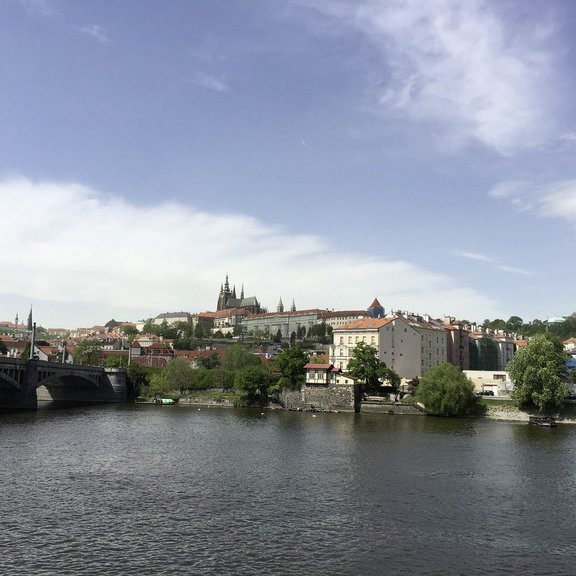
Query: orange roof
{"type": "Point", "coordinates": [367, 324]}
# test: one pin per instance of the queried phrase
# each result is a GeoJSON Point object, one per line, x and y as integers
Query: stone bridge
{"type": "Point", "coordinates": [24, 382]}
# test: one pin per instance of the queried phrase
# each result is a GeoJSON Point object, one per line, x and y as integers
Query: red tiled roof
{"type": "Point", "coordinates": [367, 324]}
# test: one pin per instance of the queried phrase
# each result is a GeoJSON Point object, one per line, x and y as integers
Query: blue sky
{"type": "Point", "coordinates": [324, 151]}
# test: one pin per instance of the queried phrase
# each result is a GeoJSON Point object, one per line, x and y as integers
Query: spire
{"type": "Point", "coordinates": [234, 291]}
{"type": "Point", "coordinates": [242, 293]}
{"type": "Point", "coordinates": [226, 285]}
{"type": "Point", "coordinates": [293, 307]}
{"type": "Point", "coordinates": [280, 307]}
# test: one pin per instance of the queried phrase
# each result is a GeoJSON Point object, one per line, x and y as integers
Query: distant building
{"type": "Point", "coordinates": [173, 318]}
{"type": "Point", "coordinates": [227, 299]}
{"type": "Point", "coordinates": [408, 344]}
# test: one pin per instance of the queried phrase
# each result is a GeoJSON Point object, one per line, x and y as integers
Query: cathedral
{"type": "Point", "coordinates": [227, 299]}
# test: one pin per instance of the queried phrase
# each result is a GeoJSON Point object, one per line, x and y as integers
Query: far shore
{"type": "Point", "coordinates": [500, 412]}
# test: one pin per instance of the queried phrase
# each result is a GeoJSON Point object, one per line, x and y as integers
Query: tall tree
{"type": "Point", "coordinates": [291, 364]}
{"type": "Point", "coordinates": [538, 372]}
{"type": "Point", "coordinates": [365, 365]}
{"type": "Point", "coordinates": [88, 351]}
{"type": "Point", "coordinates": [237, 357]}
{"type": "Point", "coordinates": [178, 374]}
{"type": "Point", "coordinates": [251, 382]}
{"type": "Point", "coordinates": [446, 391]}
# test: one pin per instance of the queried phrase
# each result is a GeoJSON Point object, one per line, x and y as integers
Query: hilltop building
{"type": "Point", "coordinates": [227, 299]}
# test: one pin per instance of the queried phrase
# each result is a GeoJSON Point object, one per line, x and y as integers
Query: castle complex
{"type": "Point", "coordinates": [227, 299]}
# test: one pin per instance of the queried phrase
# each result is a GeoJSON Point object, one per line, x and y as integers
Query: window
{"type": "Point", "coordinates": [341, 339]}
{"type": "Point", "coordinates": [349, 339]}
{"type": "Point", "coordinates": [373, 340]}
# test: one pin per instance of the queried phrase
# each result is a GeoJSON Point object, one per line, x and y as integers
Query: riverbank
{"type": "Point", "coordinates": [496, 409]}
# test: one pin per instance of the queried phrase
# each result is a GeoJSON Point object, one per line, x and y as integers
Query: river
{"type": "Point", "coordinates": [154, 490]}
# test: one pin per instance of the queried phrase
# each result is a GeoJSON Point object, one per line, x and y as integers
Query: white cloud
{"type": "Point", "coordinates": [68, 248]}
{"type": "Point", "coordinates": [38, 7]}
{"type": "Point", "coordinates": [474, 256]}
{"type": "Point", "coordinates": [515, 270]}
{"type": "Point", "coordinates": [95, 32]}
{"type": "Point", "coordinates": [493, 262]}
{"type": "Point", "coordinates": [550, 200]}
{"type": "Point", "coordinates": [459, 65]}
{"type": "Point", "coordinates": [210, 82]}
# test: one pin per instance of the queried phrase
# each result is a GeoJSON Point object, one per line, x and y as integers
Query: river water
{"type": "Point", "coordinates": [149, 490]}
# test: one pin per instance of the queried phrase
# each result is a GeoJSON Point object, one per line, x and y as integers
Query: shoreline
{"type": "Point", "coordinates": [496, 413]}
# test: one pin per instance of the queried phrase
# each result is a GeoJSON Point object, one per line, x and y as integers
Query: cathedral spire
{"type": "Point", "coordinates": [280, 307]}
{"type": "Point", "coordinates": [293, 307]}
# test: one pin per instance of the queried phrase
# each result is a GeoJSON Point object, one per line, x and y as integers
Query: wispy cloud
{"type": "Point", "coordinates": [459, 65]}
{"type": "Point", "coordinates": [474, 256]}
{"type": "Point", "coordinates": [493, 262]}
{"type": "Point", "coordinates": [38, 7]}
{"type": "Point", "coordinates": [67, 246]}
{"type": "Point", "coordinates": [515, 270]}
{"type": "Point", "coordinates": [210, 82]}
{"type": "Point", "coordinates": [96, 32]}
{"type": "Point", "coordinates": [549, 200]}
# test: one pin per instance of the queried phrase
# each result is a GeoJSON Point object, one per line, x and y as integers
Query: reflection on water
{"type": "Point", "coordinates": [176, 490]}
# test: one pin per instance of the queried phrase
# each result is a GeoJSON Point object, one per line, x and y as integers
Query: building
{"type": "Point", "coordinates": [229, 320]}
{"type": "Point", "coordinates": [457, 343]}
{"type": "Point", "coordinates": [271, 324]}
{"type": "Point", "coordinates": [408, 344]}
{"type": "Point", "coordinates": [172, 318]}
{"type": "Point", "coordinates": [227, 299]}
{"type": "Point", "coordinates": [492, 382]}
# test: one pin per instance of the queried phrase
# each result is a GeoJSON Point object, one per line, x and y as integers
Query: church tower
{"type": "Point", "coordinates": [280, 307]}
{"type": "Point", "coordinates": [224, 295]}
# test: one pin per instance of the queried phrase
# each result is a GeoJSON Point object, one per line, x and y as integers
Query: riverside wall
{"type": "Point", "coordinates": [341, 398]}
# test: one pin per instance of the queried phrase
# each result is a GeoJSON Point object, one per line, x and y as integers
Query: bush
{"type": "Point", "coordinates": [446, 391]}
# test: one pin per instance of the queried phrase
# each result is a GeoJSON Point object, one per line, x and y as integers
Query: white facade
{"type": "Point", "coordinates": [496, 381]}
{"type": "Point", "coordinates": [407, 345]}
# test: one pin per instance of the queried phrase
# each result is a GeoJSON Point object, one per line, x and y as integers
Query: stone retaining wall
{"type": "Point", "coordinates": [322, 398]}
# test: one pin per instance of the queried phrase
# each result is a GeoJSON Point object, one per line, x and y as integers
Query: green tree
{"type": "Point", "coordinates": [237, 357]}
{"type": "Point", "coordinates": [116, 361]}
{"type": "Point", "coordinates": [88, 352]}
{"type": "Point", "coordinates": [211, 361]}
{"type": "Point", "coordinates": [199, 331]}
{"type": "Point", "coordinates": [129, 331]}
{"type": "Point", "coordinates": [446, 391]}
{"type": "Point", "coordinates": [251, 383]}
{"type": "Point", "coordinates": [178, 374]}
{"type": "Point", "coordinates": [365, 365]}
{"type": "Point", "coordinates": [158, 385]}
{"type": "Point", "coordinates": [291, 364]}
{"type": "Point", "coordinates": [538, 372]}
{"type": "Point", "coordinates": [138, 378]}
{"type": "Point", "coordinates": [3, 348]}
{"type": "Point", "coordinates": [514, 324]}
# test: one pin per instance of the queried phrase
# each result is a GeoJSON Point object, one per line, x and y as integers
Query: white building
{"type": "Point", "coordinates": [408, 344]}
